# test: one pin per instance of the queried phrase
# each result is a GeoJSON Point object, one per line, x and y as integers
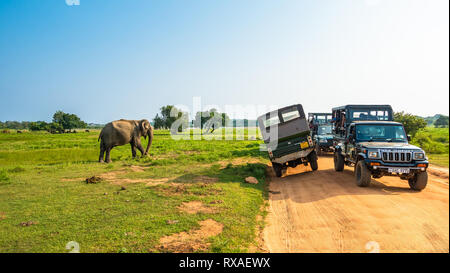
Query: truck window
{"type": "Point", "coordinates": [290, 114]}
{"type": "Point", "coordinates": [369, 115]}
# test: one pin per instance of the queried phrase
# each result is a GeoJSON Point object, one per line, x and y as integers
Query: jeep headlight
{"type": "Point", "coordinates": [419, 156]}
{"type": "Point", "coordinates": [373, 154]}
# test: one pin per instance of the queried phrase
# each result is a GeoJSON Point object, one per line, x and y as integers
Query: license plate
{"type": "Point", "coordinates": [398, 170]}
{"type": "Point", "coordinates": [304, 145]}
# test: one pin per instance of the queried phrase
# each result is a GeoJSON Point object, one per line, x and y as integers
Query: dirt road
{"type": "Point", "coordinates": [325, 211]}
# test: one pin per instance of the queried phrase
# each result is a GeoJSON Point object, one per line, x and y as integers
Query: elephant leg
{"type": "Point", "coordinates": [133, 150]}
{"type": "Point", "coordinates": [141, 149]}
{"type": "Point", "coordinates": [102, 152]}
{"type": "Point", "coordinates": [108, 155]}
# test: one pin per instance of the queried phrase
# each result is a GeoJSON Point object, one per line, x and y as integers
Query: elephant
{"type": "Point", "coordinates": [121, 132]}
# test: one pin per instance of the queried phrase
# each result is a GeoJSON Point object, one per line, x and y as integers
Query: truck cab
{"type": "Point", "coordinates": [286, 134]}
{"type": "Point", "coordinates": [367, 138]}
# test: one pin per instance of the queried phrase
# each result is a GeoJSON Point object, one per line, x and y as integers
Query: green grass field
{"type": "Point", "coordinates": [435, 142]}
{"type": "Point", "coordinates": [42, 183]}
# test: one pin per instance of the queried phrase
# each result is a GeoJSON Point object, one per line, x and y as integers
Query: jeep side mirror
{"type": "Point", "coordinates": [408, 137]}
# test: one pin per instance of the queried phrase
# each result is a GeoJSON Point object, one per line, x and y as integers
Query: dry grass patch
{"type": "Point", "coordinates": [194, 207]}
{"type": "Point", "coordinates": [193, 240]}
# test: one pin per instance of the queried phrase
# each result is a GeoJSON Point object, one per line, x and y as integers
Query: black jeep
{"type": "Point", "coordinates": [366, 137]}
{"type": "Point", "coordinates": [321, 131]}
{"type": "Point", "coordinates": [287, 137]}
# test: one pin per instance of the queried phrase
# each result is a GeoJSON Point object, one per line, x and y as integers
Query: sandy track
{"type": "Point", "coordinates": [325, 211]}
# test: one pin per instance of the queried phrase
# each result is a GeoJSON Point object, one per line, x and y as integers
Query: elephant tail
{"type": "Point", "coordinates": [100, 136]}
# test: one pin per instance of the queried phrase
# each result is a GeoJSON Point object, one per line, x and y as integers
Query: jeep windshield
{"type": "Point", "coordinates": [324, 130]}
{"type": "Point", "coordinates": [380, 133]}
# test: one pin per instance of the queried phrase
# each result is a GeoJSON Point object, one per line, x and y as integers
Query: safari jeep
{"type": "Point", "coordinates": [321, 131]}
{"type": "Point", "coordinates": [376, 146]}
{"type": "Point", "coordinates": [324, 138]}
{"type": "Point", "coordinates": [287, 137]}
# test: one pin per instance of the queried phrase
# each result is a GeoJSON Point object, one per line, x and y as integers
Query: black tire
{"type": "Point", "coordinates": [313, 164]}
{"type": "Point", "coordinates": [419, 181]}
{"type": "Point", "coordinates": [278, 169]}
{"type": "Point", "coordinates": [338, 162]}
{"type": "Point", "coordinates": [362, 174]}
{"type": "Point", "coordinates": [312, 158]}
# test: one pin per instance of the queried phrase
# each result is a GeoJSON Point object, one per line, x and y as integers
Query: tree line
{"type": "Point", "coordinates": [169, 114]}
{"type": "Point", "coordinates": [61, 122]}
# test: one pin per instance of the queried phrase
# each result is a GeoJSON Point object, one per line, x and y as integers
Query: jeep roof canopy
{"type": "Point", "coordinates": [289, 122]}
{"type": "Point", "coordinates": [354, 112]}
{"type": "Point", "coordinates": [344, 115]}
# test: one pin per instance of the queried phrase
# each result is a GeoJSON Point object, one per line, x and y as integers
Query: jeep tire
{"type": "Point", "coordinates": [312, 158]}
{"type": "Point", "coordinates": [419, 181]}
{"type": "Point", "coordinates": [338, 161]}
{"type": "Point", "coordinates": [362, 174]}
{"type": "Point", "coordinates": [278, 168]}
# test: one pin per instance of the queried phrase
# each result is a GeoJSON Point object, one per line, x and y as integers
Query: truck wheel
{"type": "Point", "coordinates": [338, 162]}
{"type": "Point", "coordinates": [419, 181]}
{"type": "Point", "coordinates": [278, 169]}
{"type": "Point", "coordinates": [362, 174]}
{"type": "Point", "coordinates": [314, 165]}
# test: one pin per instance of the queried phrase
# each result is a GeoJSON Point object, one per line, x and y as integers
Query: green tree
{"type": "Point", "coordinates": [39, 126]}
{"type": "Point", "coordinates": [210, 118]}
{"type": "Point", "coordinates": [411, 122]}
{"type": "Point", "coordinates": [170, 114]}
{"type": "Point", "coordinates": [442, 121]}
{"type": "Point", "coordinates": [158, 122]}
{"type": "Point", "coordinates": [55, 128]}
{"type": "Point", "coordinates": [68, 121]}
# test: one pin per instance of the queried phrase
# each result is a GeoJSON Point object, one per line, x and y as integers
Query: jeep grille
{"type": "Point", "coordinates": [397, 156]}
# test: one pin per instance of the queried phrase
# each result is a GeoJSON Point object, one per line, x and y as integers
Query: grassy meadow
{"type": "Point", "coordinates": [45, 201]}
{"type": "Point", "coordinates": [435, 142]}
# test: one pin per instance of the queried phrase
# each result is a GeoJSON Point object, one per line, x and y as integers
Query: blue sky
{"type": "Point", "coordinates": [110, 59]}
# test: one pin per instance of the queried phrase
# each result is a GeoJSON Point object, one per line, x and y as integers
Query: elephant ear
{"type": "Point", "coordinates": [144, 125]}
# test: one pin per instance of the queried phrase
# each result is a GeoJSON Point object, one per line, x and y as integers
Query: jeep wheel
{"type": "Point", "coordinates": [338, 161]}
{"type": "Point", "coordinates": [362, 174]}
{"type": "Point", "coordinates": [313, 163]}
{"type": "Point", "coordinates": [278, 168]}
{"type": "Point", "coordinates": [419, 181]}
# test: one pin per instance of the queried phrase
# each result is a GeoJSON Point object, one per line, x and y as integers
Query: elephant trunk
{"type": "Point", "coordinates": [150, 139]}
